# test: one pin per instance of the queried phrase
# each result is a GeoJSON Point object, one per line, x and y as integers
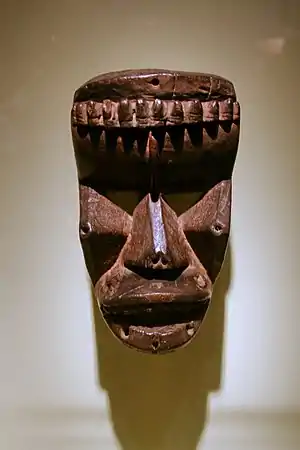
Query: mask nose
{"type": "Point", "coordinates": [158, 264]}
{"type": "Point", "coordinates": [158, 228]}
{"type": "Point", "coordinates": [155, 249]}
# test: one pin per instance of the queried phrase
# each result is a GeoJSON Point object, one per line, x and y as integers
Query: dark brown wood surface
{"type": "Point", "coordinates": [155, 151]}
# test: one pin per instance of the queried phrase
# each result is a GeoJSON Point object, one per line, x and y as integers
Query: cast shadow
{"type": "Point", "coordinates": [160, 402]}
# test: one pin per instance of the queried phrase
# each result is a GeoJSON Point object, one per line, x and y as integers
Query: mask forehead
{"type": "Point", "coordinates": [155, 152]}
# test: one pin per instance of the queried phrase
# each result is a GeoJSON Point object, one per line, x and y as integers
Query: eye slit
{"type": "Point", "coordinates": [183, 201]}
{"type": "Point", "coordinates": [126, 200]}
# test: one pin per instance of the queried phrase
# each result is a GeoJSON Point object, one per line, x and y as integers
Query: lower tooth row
{"type": "Point", "coordinates": [158, 140]}
{"type": "Point", "coordinates": [145, 113]}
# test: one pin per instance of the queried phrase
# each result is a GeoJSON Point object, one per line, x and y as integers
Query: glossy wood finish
{"type": "Point", "coordinates": [154, 134]}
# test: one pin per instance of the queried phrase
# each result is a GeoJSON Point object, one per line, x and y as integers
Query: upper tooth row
{"type": "Point", "coordinates": [143, 113]}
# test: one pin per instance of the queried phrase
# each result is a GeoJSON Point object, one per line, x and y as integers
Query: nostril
{"type": "Point", "coordinates": [156, 258]}
{"type": "Point", "coordinates": [160, 258]}
{"type": "Point", "coordinates": [164, 260]}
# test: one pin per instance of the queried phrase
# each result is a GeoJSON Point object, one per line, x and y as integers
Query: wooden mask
{"type": "Point", "coordinates": [155, 151]}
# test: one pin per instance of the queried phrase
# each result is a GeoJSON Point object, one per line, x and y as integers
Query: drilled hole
{"type": "Point", "coordinates": [155, 344]}
{"type": "Point", "coordinates": [125, 331]}
{"type": "Point", "coordinates": [190, 329]}
{"type": "Point", "coordinates": [217, 228]}
{"type": "Point", "coordinates": [154, 81]}
{"type": "Point", "coordinates": [85, 228]}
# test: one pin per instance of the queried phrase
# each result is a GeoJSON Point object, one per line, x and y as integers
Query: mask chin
{"type": "Point", "coordinates": [157, 327]}
{"type": "Point", "coordinates": [155, 338]}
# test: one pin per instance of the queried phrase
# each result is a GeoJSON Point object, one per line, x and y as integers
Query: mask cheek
{"type": "Point", "coordinates": [104, 229]}
{"type": "Point", "coordinates": [209, 249]}
{"type": "Point", "coordinates": [101, 252]}
{"type": "Point", "coordinates": [206, 226]}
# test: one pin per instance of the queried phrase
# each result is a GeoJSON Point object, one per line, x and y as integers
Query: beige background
{"type": "Point", "coordinates": [237, 385]}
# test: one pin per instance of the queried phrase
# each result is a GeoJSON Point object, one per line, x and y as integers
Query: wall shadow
{"type": "Point", "coordinates": [161, 401]}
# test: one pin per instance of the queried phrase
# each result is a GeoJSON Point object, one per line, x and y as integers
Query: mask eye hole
{"type": "Point", "coordinates": [183, 201]}
{"type": "Point", "coordinates": [126, 200]}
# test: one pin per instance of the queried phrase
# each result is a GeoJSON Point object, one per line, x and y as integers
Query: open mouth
{"type": "Point", "coordinates": [156, 326]}
{"type": "Point", "coordinates": [157, 329]}
{"type": "Point", "coordinates": [156, 314]}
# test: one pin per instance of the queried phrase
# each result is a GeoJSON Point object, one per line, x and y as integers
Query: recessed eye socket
{"type": "Point", "coordinates": [127, 200]}
{"type": "Point", "coordinates": [183, 201]}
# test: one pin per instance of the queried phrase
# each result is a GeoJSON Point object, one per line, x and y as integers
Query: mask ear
{"type": "Point", "coordinates": [206, 226]}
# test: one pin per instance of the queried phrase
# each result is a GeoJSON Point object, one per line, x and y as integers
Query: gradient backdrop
{"type": "Point", "coordinates": [65, 381]}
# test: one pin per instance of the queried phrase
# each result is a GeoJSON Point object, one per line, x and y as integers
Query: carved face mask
{"type": "Point", "coordinates": [155, 151]}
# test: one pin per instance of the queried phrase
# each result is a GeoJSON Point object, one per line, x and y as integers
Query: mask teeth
{"type": "Point", "coordinates": [236, 112]}
{"type": "Point", "coordinates": [226, 110]}
{"type": "Point", "coordinates": [94, 113]}
{"type": "Point", "coordinates": [158, 113]}
{"type": "Point", "coordinates": [143, 113]}
{"type": "Point", "coordinates": [193, 111]}
{"type": "Point", "coordinates": [175, 113]}
{"type": "Point", "coordinates": [125, 113]}
{"type": "Point", "coordinates": [210, 111]}
{"type": "Point", "coordinates": [110, 114]}
{"type": "Point", "coordinates": [81, 114]}
{"type": "Point", "coordinates": [167, 140]}
{"type": "Point", "coordinates": [73, 116]}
